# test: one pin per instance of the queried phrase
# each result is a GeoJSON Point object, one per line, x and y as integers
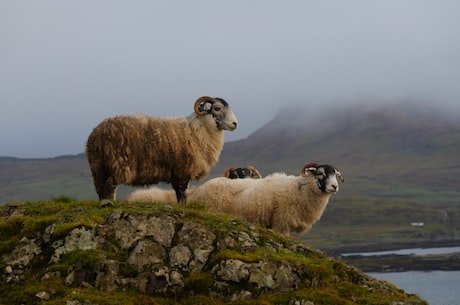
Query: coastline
{"type": "Point", "coordinates": [403, 263]}
{"type": "Point", "coordinates": [400, 262]}
{"type": "Point", "coordinates": [375, 247]}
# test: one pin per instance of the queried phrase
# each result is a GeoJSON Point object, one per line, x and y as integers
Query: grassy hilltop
{"type": "Point", "coordinates": [67, 251]}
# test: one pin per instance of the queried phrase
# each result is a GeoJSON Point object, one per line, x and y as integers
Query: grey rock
{"type": "Point", "coordinates": [23, 253]}
{"type": "Point", "coordinates": [146, 253]}
{"type": "Point", "coordinates": [43, 295]}
{"type": "Point", "coordinates": [232, 270]}
{"type": "Point", "coordinates": [200, 240]}
{"type": "Point", "coordinates": [262, 274]}
{"type": "Point", "coordinates": [108, 278]}
{"type": "Point", "coordinates": [301, 302]}
{"type": "Point", "coordinates": [51, 275]}
{"type": "Point", "coordinates": [131, 228]}
{"type": "Point", "coordinates": [49, 231]}
{"type": "Point", "coordinates": [8, 269]}
{"type": "Point", "coordinates": [19, 259]}
{"type": "Point", "coordinates": [80, 275]}
{"type": "Point", "coordinates": [180, 256]}
{"type": "Point", "coordinates": [78, 239]}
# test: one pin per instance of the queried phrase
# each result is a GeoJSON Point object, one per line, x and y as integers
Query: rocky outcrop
{"type": "Point", "coordinates": [171, 252]}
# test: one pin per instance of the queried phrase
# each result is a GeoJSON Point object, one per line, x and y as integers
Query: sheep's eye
{"type": "Point", "coordinates": [217, 108]}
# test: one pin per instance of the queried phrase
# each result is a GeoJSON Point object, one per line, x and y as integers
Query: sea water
{"type": "Point", "coordinates": [435, 287]}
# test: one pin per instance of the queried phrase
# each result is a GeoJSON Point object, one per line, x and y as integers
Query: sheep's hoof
{"type": "Point", "coordinates": [105, 203]}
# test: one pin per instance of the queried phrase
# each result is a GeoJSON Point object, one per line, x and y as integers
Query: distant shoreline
{"type": "Point", "coordinates": [403, 263]}
{"type": "Point", "coordinates": [398, 262]}
{"type": "Point", "coordinates": [376, 247]}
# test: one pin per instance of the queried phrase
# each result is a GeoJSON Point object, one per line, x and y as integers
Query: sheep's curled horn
{"type": "Point", "coordinates": [254, 171]}
{"type": "Point", "coordinates": [200, 105]}
{"type": "Point", "coordinates": [314, 166]}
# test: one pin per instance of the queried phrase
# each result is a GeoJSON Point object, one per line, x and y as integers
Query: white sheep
{"type": "Point", "coordinates": [140, 150]}
{"type": "Point", "coordinates": [282, 202]}
{"type": "Point", "coordinates": [156, 194]}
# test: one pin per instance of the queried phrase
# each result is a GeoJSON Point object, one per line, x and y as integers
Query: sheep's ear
{"type": "Point", "coordinates": [203, 105]}
{"type": "Point", "coordinates": [337, 172]}
{"type": "Point", "coordinates": [309, 168]}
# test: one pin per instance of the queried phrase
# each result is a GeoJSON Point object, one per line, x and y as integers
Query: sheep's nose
{"type": "Point", "coordinates": [334, 186]}
{"type": "Point", "coordinates": [234, 125]}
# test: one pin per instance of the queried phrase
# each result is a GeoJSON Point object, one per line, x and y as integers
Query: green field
{"type": "Point", "coordinates": [355, 222]}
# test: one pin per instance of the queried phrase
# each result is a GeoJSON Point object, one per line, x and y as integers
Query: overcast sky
{"type": "Point", "coordinates": [67, 65]}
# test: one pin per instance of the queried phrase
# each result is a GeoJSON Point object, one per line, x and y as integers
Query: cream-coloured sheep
{"type": "Point", "coordinates": [143, 150]}
{"type": "Point", "coordinates": [282, 202]}
{"type": "Point", "coordinates": [156, 194]}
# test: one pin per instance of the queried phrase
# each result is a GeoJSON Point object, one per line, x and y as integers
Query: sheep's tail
{"type": "Point", "coordinates": [153, 194]}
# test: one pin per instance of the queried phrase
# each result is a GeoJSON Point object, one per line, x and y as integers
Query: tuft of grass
{"type": "Point", "coordinates": [64, 199]}
{"type": "Point", "coordinates": [198, 283]}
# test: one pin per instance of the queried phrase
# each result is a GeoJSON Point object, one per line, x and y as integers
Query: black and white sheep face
{"type": "Point", "coordinates": [223, 115]}
{"type": "Point", "coordinates": [239, 173]}
{"type": "Point", "coordinates": [218, 109]}
{"type": "Point", "coordinates": [326, 178]}
{"type": "Point", "coordinates": [242, 172]}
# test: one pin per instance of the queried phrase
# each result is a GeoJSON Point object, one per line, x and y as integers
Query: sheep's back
{"type": "Point", "coordinates": [220, 194]}
{"type": "Point", "coordinates": [252, 199]}
{"type": "Point", "coordinates": [269, 188]}
{"type": "Point", "coordinates": [140, 150]}
{"type": "Point", "coordinates": [153, 194]}
{"type": "Point", "coordinates": [262, 200]}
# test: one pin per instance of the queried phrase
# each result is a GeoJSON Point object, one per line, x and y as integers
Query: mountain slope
{"type": "Point", "coordinates": [41, 179]}
{"type": "Point", "coordinates": [394, 151]}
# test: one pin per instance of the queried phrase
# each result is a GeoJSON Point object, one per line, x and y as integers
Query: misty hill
{"type": "Point", "coordinates": [41, 179]}
{"type": "Point", "coordinates": [395, 151]}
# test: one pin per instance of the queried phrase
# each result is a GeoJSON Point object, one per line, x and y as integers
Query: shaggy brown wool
{"type": "Point", "coordinates": [142, 150]}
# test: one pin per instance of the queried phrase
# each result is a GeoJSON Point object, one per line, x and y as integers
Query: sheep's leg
{"type": "Point", "coordinates": [180, 189]}
{"type": "Point", "coordinates": [107, 193]}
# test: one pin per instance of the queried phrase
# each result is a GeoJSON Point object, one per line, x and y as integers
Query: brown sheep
{"type": "Point", "coordinates": [140, 150]}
